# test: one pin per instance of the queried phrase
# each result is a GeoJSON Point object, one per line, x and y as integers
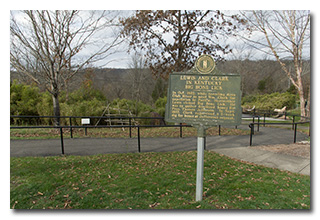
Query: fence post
{"type": "Point", "coordinates": [130, 128]}
{"type": "Point", "coordinates": [285, 115]}
{"type": "Point", "coordinates": [219, 130]}
{"type": "Point", "coordinates": [264, 119]}
{"type": "Point", "coordinates": [258, 123]}
{"type": "Point", "coordinates": [61, 138]}
{"type": "Point", "coordinates": [251, 132]}
{"type": "Point", "coordinates": [293, 122]}
{"type": "Point", "coordinates": [139, 150]}
{"type": "Point", "coordinates": [70, 123]}
{"type": "Point", "coordinates": [295, 133]}
{"type": "Point", "coordinates": [180, 130]}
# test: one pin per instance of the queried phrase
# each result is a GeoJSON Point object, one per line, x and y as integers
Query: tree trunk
{"type": "Point", "coordinates": [56, 109]}
{"type": "Point", "coordinates": [302, 105]}
{"type": "Point", "coordinates": [308, 104]}
{"type": "Point", "coordinates": [300, 91]}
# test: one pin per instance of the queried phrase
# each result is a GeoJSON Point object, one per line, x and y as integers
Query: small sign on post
{"type": "Point", "coordinates": [85, 121]}
{"type": "Point", "coordinates": [203, 98]}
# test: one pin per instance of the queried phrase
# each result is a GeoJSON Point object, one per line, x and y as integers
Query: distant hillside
{"type": "Point", "coordinates": [99, 77]}
{"type": "Point", "coordinates": [114, 83]}
{"type": "Point", "coordinates": [262, 76]}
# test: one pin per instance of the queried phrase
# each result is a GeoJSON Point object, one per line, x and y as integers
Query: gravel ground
{"type": "Point", "coordinates": [298, 149]}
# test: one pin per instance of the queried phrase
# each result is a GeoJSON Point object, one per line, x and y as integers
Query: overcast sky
{"type": "Point", "coordinates": [240, 50]}
{"type": "Point", "coordinates": [121, 58]}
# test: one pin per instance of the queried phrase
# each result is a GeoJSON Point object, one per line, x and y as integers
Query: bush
{"type": "Point", "coordinates": [45, 107]}
{"type": "Point", "coordinates": [23, 101]}
{"type": "Point", "coordinates": [161, 106]}
{"type": "Point", "coordinates": [84, 93]}
{"type": "Point", "coordinates": [86, 101]}
{"type": "Point", "coordinates": [270, 101]}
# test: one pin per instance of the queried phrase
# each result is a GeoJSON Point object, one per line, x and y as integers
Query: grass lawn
{"type": "Point", "coordinates": [152, 181]}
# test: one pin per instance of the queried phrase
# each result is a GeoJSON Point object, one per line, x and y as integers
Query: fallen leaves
{"type": "Point", "coordinates": [103, 181]}
{"type": "Point", "coordinates": [154, 205]}
{"type": "Point", "coordinates": [15, 203]}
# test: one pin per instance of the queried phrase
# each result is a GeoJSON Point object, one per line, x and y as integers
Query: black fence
{"type": "Point", "coordinates": [155, 122]}
{"type": "Point", "coordinates": [294, 125]}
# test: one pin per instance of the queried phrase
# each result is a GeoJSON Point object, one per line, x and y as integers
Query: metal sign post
{"type": "Point", "coordinates": [200, 159]}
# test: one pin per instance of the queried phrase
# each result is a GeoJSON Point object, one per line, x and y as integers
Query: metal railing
{"type": "Point", "coordinates": [130, 125]}
{"type": "Point", "coordinates": [294, 126]}
{"type": "Point", "coordinates": [70, 126]}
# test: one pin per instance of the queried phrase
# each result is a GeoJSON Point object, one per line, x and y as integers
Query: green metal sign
{"type": "Point", "coordinates": [203, 99]}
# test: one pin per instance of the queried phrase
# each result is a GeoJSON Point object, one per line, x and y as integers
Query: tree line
{"type": "Point", "coordinates": [138, 84]}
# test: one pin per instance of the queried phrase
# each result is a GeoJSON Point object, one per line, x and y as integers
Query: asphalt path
{"type": "Point", "coordinates": [92, 146]}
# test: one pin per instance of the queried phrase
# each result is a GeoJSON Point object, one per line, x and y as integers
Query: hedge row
{"type": "Point", "coordinates": [270, 101]}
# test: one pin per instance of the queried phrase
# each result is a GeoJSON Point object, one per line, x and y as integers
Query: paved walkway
{"type": "Point", "coordinates": [233, 146]}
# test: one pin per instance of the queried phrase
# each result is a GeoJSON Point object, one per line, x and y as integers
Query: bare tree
{"type": "Point", "coordinates": [171, 40]}
{"type": "Point", "coordinates": [48, 46]}
{"type": "Point", "coordinates": [286, 36]}
{"type": "Point", "coordinates": [140, 78]}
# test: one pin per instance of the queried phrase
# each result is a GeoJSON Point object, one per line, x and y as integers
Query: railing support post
{"type": "Point", "coordinates": [251, 126]}
{"type": "Point", "coordinates": [295, 133]}
{"type": "Point", "coordinates": [293, 122]}
{"type": "Point", "coordinates": [61, 138]}
{"type": "Point", "coordinates": [70, 123]}
{"type": "Point", "coordinates": [130, 128]}
{"type": "Point", "coordinates": [139, 150]}
{"type": "Point", "coordinates": [285, 115]}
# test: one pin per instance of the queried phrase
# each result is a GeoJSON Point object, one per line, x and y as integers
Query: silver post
{"type": "Point", "coordinates": [200, 156]}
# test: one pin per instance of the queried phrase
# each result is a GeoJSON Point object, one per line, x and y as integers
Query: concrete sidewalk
{"type": "Point", "coordinates": [232, 146]}
{"type": "Point", "coordinates": [268, 159]}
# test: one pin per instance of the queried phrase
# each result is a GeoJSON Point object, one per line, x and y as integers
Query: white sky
{"type": "Point", "coordinates": [121, 59]}
{"type": "Point", "coordinates": [240, 49]}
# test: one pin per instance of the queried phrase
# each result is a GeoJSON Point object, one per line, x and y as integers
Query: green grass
{"type": "Point", "coordinates": [152, 181]}
{"type": "Point", "coordinates": [48, 133]}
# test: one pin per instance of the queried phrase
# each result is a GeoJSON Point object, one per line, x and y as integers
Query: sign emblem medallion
{"type": "Point", "coordinates": [205, 64]}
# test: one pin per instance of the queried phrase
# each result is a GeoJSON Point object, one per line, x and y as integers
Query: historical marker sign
{"type": "Point", "coordinates": [202, 98]}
